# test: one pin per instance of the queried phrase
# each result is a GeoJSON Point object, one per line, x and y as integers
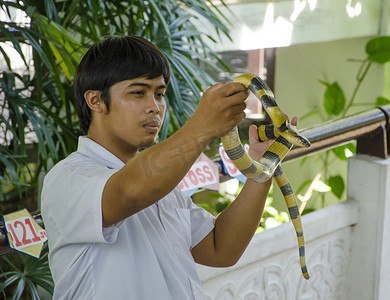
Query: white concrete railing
{"type": "Point", "coordinates": [347, 249]}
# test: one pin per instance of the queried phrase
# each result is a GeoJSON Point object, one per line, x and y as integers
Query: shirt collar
{"type": "Point", "coordinates": [93, 150]}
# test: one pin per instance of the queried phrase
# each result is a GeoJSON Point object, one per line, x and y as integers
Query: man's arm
{"type": "Point", "coordinates": [236, 225]}
{"type": "Point", "coordinates": [152, 174]}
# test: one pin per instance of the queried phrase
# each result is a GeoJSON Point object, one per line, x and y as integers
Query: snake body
{"type": "Point", "coordinates": [285, 135]}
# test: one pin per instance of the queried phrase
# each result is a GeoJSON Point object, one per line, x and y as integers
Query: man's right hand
{"type": "Point", "coordinates": [221, 108]}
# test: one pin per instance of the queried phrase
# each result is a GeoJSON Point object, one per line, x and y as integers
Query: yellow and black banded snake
{"type": "Point", "coordinates": [285, 135]}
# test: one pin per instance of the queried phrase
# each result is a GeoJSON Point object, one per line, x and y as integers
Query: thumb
{"type": "Point", "coordinates": [253, 134]}
{"type": "Point", "coordinates": [294, 121]}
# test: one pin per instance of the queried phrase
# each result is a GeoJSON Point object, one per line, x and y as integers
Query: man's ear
{"type": "Point", "coordinates": [94, 101]}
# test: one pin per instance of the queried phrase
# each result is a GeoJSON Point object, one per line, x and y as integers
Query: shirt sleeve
{"type": "Point", "coordinates": [202, 222]}
{"type": "Point", "coordinates": [71, 202]}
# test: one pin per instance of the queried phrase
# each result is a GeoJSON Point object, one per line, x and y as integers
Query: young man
{"type": "Point", "coordinates": [118, 226]}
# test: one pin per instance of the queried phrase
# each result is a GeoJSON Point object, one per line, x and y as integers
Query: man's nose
{"type": "Point", "coordinates": [152, 105]}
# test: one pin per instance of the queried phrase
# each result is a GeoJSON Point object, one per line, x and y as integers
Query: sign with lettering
{"type": "Point", "coordinates": [23, 233]}
{"type": "Point", "coordinates": [204, 173]}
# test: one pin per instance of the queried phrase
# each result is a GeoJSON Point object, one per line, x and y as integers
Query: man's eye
{"type": "Point", "coordinates": [137, 93]}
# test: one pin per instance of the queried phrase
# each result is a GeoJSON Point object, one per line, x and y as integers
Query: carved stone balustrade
{"type": "Point", "coordinates": [347, 249]}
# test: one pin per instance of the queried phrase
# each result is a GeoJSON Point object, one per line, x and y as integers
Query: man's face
{"type": "Point", "coordinates": [137, 109]}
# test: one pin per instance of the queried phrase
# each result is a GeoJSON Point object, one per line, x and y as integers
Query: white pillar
{"type": "Point", "coordinates": [369, 270]}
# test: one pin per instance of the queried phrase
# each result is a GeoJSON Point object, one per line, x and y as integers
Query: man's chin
{"type": "Point", "coordinates": [149, 143]}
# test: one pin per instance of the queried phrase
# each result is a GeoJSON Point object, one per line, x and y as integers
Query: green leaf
{"type": "Point", "coordinates": [337, 185]}
{"type": "Point", "coordinates": [50, 9]}
{"type": "Point", "coordinates": [303, 185]}
{"type": "Point", "coordinates": [205, 206]}
{"type": "Point", "coordinates": [8, 281]}
{"type": "Point", "coordinates": [162, 20]}
{"type": "Point", "coordinates": [37, 47]}
{"type": "Point", "coordinates": [378, 49]}
{"type": "Point", "coordinates": [16, 45]}
{"type": "Point", "coordinates": [345, 151]}
{"type": "Point", "coordinates": [33, 290]}
{"type": "Point", "coordinates": [220, 206]}
{"type": "Point", "coordinates": [381, 101]}
{"type": "Point", "coordinates": [321, 187]}
{"type": "Point", "coordinates": [18, 291]}
{"type": "Point", "coordinates": [307, 211]}
{"type": "Point", "coordinates": [334, 99]}
{"type": "Point", "coordinates": [324, 82]}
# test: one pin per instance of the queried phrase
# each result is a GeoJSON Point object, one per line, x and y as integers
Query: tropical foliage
{"type": "Point", "coordinates": [26, 273]}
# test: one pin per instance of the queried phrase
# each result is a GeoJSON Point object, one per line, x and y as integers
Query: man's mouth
{"type": "Point", "coordinates": [153, 126]}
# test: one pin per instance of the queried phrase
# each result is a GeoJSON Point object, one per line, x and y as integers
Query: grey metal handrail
{"type": "Point", "coordinates": [371, 125]}
{"type": "Point", "coordinates": [354, 127]}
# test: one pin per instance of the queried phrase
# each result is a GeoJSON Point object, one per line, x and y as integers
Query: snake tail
{"type": "Point", "coordinates": [291, 202]}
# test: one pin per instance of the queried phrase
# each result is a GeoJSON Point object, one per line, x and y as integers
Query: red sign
{"type": "Point", "coordinates": [204, 173]}
{"type": "Point", "coordinates": [23, 233]}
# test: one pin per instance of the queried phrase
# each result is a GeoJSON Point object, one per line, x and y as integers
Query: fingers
{"type": "Point", "coordinates": [233, 88]}
{"type": "Point", "coordinates": [221, 107]}
{"type": "Point", "coordinates": [228, 88]}
{"type": "Point", "coordinates": [294, 121]}
{"type": "Point", "coordinates": [253, 134]}
{"type": "Point", "coordinates": [232, 91]}
{"type": "Point", "coordinates": [228, 101]}
{"type": "Point", "coordinates": [239, 108]}
{"type": "Point", "coordinates": [236, 93]}
{"type": "Point", "coordinates": [257, 148]}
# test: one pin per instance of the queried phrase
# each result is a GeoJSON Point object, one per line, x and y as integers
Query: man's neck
{"type": "Point", "coordinates": [121, 152]}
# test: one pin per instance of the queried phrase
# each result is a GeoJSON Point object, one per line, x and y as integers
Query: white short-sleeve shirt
{"type": "Point", "coordinates": [146, 256]}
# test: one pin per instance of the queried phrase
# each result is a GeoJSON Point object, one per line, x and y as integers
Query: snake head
{"type": "Point", "coordinates": [292, 135]}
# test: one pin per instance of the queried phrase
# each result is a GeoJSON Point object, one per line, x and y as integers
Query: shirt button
{"type": "Point", "coordinates": [176, 249]}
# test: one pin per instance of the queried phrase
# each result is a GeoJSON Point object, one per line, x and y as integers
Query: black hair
{"type": "Point", "coordinates": [112, 60]}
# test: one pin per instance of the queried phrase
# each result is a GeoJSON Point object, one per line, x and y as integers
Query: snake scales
{"type": "Point", "coordinates": [285, 135]}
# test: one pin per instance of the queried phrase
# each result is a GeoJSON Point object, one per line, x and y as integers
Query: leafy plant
{"type": "Point", "coordinates": [220, 200]}
{"type": "Point", "coordinates": [336, 104]}
{"type": "Point", "coordinates": [271, 216]}
{"type": "Point", "coordinates": [22, 274]}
